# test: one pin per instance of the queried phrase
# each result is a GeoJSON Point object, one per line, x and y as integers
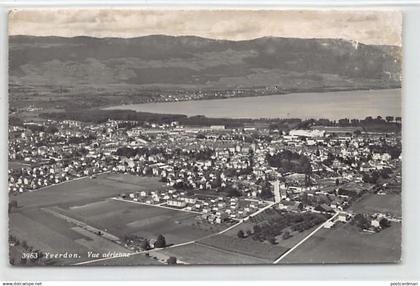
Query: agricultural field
{"type": "Point", "coordinates": [295, 236]}
{"type": "Point", "coordinates": [374, 203]}
{"type": "Point", "coordinates": [122, 218]}
{"type": "Point", "coordinates": [46, 233]}
{"type": "Point", "coordinates": [84, 190]}
{"type": "Point", "coordinates": [346, 244]}
{"type": "Point", "coordinates": [33, 222]}
{"type": "Point", "coordinates": [198, 253]}
{"type": "Point", "coordinates": [274, 231]}
{"type": "Point", "coordinates": [264, 251]}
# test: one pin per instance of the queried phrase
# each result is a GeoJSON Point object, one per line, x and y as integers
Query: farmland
{"type": "Point", "coordinates": [32, 221]}
{"type": "Point", "coordinates": [67, 218]}
{"type": "Point", "coordinates": [373, 203]}
{"type": "Point", "coordinates": [83, 190]}
{"type": "Point", "coordinates": [264, 251]}
{"type": "Point", "coordinates": [294, 234]}
{"type": "Point", "coordinates": [198, 253]}
{"type": "Point", "coordinates": [345, 243]}
{"type": "Point", "coordinates": [122, 218]}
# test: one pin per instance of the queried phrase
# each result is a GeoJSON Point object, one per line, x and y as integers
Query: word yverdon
{"type": "Point", "coordinates": [65, 255]}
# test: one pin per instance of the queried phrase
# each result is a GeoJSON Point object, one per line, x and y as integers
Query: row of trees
{"type": "Point", "coordinates": [393, 150]}
{"type": "Point", "coordinates": [363, 222]}
{"type": "Point", "coordinates": [345, 122]}
{"type": "Point", "coordinates": [143, 243]}
{"type": "Point", "coordinates": [280, 223]}
{"type": "Point", "coordinates": [374, 176]}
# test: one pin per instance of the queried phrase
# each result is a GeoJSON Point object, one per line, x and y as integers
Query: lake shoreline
{"type": "Point", "coordinates": [351, 102]}
{"type": "Point", "coordinates": [328, 90]}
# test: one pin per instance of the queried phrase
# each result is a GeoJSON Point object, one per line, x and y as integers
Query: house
{"type": "Point", "coordinates": [177, 203]}
{"type": "Point", "coordinates": [328, 224]}
{"type": "Point", "coordinates": [375, 223]}
{"type": "Point", "coordinates": [342, 218]}
{"type": "Point", "coordinates": [190, 200]}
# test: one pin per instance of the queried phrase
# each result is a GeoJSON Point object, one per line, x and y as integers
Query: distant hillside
{"type": "Point", "coordinates": [193, 60]}
{"type": "Point", "coordinates": [116, 64]}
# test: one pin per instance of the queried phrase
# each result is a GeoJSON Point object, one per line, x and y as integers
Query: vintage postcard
{"type": "Point", "coordinates": [186, 136]}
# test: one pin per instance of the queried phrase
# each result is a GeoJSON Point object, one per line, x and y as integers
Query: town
{"type": "Point", "coordinates": [224, 177]}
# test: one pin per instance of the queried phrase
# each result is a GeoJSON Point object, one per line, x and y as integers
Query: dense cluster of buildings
{"type": "Point", "coordinates": [217, 172]}
{"type": "Point", "coordinates": [212, 209]}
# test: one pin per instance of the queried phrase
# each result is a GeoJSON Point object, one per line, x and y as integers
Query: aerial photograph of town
{"type": "Point", "coordinates": [159, 137]}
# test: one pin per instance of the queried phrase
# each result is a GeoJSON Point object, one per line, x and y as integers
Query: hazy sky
{"type": "Point", "coordinates": [371, 27]}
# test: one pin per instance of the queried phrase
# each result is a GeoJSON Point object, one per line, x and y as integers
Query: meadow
{"type": "Point", "coordinates": [123, 218]}
{"type": "Point", "coordinates": [204, 254]}
{"type": "Point", "coordinates": [346, 244]}
{"type": "Point", "coordinates": [31, 221]}
{"type": "Point", "coordinates": [373, 203]}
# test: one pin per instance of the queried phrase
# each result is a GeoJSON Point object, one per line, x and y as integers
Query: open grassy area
{"type": "Point", "coordinates": [205, 254]}
{"type": "Point", "coordinates": [42, 230]}
{"type": "Point", "coordinates": [346, 244]}
{"type": "Point", "coordinates": [85, 190]}
{"type": "Point", "coordinates": [124, 218]}
{"type": "Point", "coordinates": [264, 251]}
{"type": "Point", "coordinates": [373, 203]}
{"type": "Point", "coordinates": [42, 235]}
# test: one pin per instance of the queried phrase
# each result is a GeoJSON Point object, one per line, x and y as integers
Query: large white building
{"type": "Point", "coordinates": [307, 133]}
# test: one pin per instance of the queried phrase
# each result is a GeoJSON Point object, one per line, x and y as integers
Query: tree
{"type": "Point", "coordinates": [384, 223]}
{"type": "Point", "coordinates": [145, 245]}
{"type": "Point", "coordinates": [160, 241]}
{"type": "Point", "coordinates": [232, 192]}
{"type": "Point", "coordinates": [361, 221]}
{"type": "Point", "coordinates": [266, 193]}
{"type": "Point", "coordinates": [286, 235]}
{"type": "Point", "coordinates": [257, 228]}
{"type": "Point", "coordinates": [171, 260]}
{"type": "Point", "coordinates": [51, 129]}
{"type": "Point", "coordinates": [241, 234]}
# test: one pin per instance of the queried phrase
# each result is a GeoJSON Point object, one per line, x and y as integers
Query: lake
{"type": "Point", "coordinates": [331, 105]}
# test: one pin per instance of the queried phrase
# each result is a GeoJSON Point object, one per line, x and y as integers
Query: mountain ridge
{"type": "Point", "coordinates": [282, 64]}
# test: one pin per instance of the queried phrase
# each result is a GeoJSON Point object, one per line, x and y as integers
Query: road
{"type": "Point", "coordinates": [304, 239]}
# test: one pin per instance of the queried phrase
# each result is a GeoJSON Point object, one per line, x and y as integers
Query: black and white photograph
{"type": "Point", "coordinates": [172, 136]}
